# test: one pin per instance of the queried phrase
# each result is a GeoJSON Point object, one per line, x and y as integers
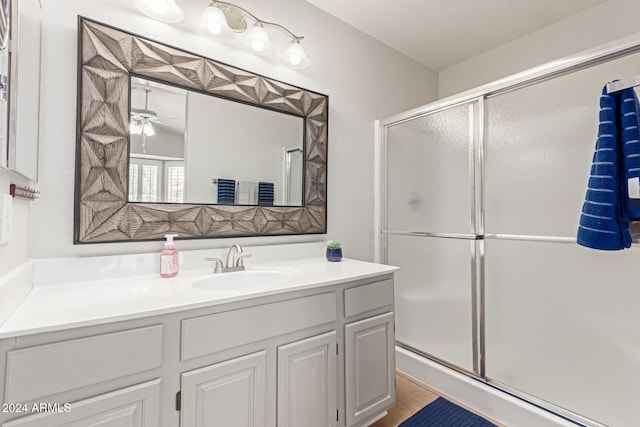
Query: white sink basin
{"type": "Point", "coordinates": [244, 280]}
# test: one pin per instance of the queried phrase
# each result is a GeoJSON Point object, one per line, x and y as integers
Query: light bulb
{"type": "Point", "coordinates": [159, 6]}
{"type": "Point", "coordinates": [214, 28]}
{"type": "Point", "coordinates": [148, 129]}
{"type": "Point", "coordinates": [134, 128]}
{"type": "Point", "coordinates": [162, 10]}
{"type": "Point", "coordinates": [257, 45]}
{"type": "Point", "coordinates": [213, 23]}
{"type": "Point", "coordinates": [295, 59]}
{"type": "Point", "coordinates": [257, 40]}
{"type": "Point", "coordinates": [295, 56]}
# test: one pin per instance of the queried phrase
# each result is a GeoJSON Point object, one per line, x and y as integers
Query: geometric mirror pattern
{"type": "Point", "coordinates": [108, 57]}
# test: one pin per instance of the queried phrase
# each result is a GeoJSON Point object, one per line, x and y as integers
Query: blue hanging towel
{"type": "Point", "coordinates": [226, 191]}
{"type": "Point", "coordinates": [265, 193]}
{"type": "Point", "coordinates": [613, 194]}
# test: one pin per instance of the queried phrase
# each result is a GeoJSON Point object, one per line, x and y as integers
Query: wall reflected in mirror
{"type": "Point", "coordinates": [190, 147]}
{"type": "Point", "coordinates": [4, 81]}
{"type": "Point", "coordinates": [20, 70]}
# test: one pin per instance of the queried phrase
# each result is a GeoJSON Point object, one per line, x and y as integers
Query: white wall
{"type": "Point", "coordinates": [592, 27]}
{"type": "Point", "coordinates": [364, 79]}
{"type": "Point", "coordinates": [166, 142]}
{"type": "Point", "coordinates": [16, 251]}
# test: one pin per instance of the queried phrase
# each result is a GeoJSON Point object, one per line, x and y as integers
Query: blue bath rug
{"type": "Point", "coordinates": [442, 413]}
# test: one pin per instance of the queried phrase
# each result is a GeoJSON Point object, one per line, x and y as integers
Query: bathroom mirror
{"type": "Point", "coordinates": [24, 87]}
{"type": "Point", "coordinates": [5, 14]}
{"type": "Point", "coordinates": [4, 24]}
{"type": "Point", "coordinates": [182, 141]}
{"type": "Point", "coordinates": [111, 63]}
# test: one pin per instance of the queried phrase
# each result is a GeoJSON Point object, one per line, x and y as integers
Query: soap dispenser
{"type": "Point", "coordinates": [169, 258]}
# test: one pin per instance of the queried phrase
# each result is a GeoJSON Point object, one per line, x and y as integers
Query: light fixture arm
{"type": "Point", "coordinates": [283, 29]}
{"type": "Point", "coordinates": [257, 20]}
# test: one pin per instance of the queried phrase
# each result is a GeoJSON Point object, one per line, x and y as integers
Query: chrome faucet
{"type": "Point", "coordinates": [233, 263]}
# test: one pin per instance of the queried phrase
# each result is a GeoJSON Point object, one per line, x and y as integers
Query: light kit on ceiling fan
{"type": "Point", "coordinates": [222, 21]}
{"type": "Point", "coordinates": [141, 119]}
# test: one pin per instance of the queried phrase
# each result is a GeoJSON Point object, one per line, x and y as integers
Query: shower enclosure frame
{"type": "Point", "coordinates": [592, 57]}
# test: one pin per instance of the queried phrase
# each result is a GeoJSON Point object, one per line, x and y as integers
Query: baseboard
{"type": "Point", "coordinates": [495, 404]}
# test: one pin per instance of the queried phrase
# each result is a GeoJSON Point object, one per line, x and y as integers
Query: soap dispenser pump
{"type": "Point", "coordinates": [169, 260]}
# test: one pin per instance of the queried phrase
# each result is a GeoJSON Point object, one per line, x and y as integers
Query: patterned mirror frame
{"type": "Point", "coordinates": [107, 58]}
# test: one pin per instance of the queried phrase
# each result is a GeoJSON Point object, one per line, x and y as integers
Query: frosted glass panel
{"type": "Point", "coordinates": [428, 184]}
{"type": "Point", "coordinates": [433, 296]}
{"type": "Point", "coordinates": [563, 324]}
{"type": "Point", "coordinates": [538, 151]}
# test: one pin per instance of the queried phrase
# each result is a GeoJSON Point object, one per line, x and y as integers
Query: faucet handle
{"type": "Point", "coordinates": [218, 261]}
{"type": "Point", "coordinates": [240, 262]}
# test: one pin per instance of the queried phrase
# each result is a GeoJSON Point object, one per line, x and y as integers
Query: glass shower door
{"type": "Point", "coordinates": [431, 229]}
{"type": "Point", "coordinates": [561, 320]}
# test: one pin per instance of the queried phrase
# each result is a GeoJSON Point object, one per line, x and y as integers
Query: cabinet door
{"type": "Point", "coordinates": [369, 367]}
{"type": "Point", "coordinates": [229, 393]}
{"type": "Point", "coordinates": [136, 406]}
{"type": "Point", "coordinates": [307, 382]}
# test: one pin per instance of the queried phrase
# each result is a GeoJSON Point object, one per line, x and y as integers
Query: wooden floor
{"type": "Point", "coordinates": [412, 396]}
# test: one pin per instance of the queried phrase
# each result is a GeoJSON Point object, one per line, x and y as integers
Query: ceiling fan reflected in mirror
{"type": "Point", "coordinates": [142, 119]}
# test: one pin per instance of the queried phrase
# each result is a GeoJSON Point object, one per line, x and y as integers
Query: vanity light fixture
{"type": "Point", "coordinates": [162, 10]}
{"type": "Point", "coordinates": [220, 20]}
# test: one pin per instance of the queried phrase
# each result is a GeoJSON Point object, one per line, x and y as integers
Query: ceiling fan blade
{"type": "Point", "coordinates": [162, 119]}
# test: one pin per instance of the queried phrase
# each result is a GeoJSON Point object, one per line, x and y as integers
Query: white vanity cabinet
{"type": "Point", "coordinates": [106, 379]}
{"type": "Point", "coordinates": [307, 382]}
{"type": "Point", "coordinates": [229, 393]}
{"type": "Point", "coordinates": [286, 349]}
{"type": "Point", "coordinates": [235, 392]}
{"type": "Point", "coordinates": [136, 406]}
{"type": "Point", "coordinates": [369, 351]}
{"type": "Point", "coordinates": [318, 357]}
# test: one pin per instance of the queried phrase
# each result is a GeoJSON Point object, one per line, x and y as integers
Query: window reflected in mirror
{"type": "Point", "coordinates": [190, 147]}
{"type": "Point", "coordinates": [157, 142]}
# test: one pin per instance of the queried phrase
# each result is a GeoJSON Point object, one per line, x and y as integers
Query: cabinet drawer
{"type": "Point", "coordinates": [362, 299]}
{"type": "Point", "coordinates": [138, 405]}
{"type": "Point", "coordinates": [67, 365]}
{"type": "Point", "coordinates": [210, 334]}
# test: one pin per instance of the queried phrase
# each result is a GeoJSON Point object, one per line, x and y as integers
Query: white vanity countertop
{"type": "Point", "coordinates": [83, 303]}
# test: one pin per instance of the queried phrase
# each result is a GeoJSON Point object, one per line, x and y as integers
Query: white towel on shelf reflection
{"type": "Point", "coordinates": [247, 193]}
